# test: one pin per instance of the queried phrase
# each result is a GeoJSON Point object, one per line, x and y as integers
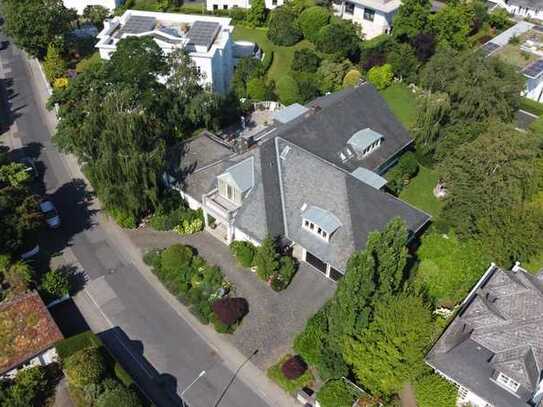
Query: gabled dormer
{"type": "Point", "coordinates": [319, 222]}
{"type": "Point", "coordinates": [361, 144]}
{"type": "Point", "coordinates": [237, 181]}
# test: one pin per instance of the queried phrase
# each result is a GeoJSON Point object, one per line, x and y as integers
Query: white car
{"type": "Point", "coordinates": [51, 214]}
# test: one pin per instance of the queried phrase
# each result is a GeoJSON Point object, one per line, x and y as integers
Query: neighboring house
{"type": "Point", "coordinates": [521, 8]}
{"type": "Point", "coordinates": [493, 349]}
{"type": "Point", "coordinates": [28, 332]}
{"type": "Point", "coordinates": [373, 16]}
{"type": "Point", "coordinates": [206, 39]}
{"type": "Point", "coordinates": [525, 52]}
{"type": "Point", "coordinates": [213, 5]}
{"type": "Point", "coordinates": [80, 5]}
{"type": "Point", "coordinates": [313, 178]}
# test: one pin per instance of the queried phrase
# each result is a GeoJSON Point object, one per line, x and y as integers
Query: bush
{"type": "Point", "coordinates": [352, 78]}
{"type": "Point", "coordinates": [309, 342]}
{"type": "Point", "coordinates": [244, 252]}
{"type": "Point", "coordinates": [531, 106]}
{"type": "Point", "coordinates": [287, 90]}
{"type": "Point", "coordinates": [123, 219]}
{"type": "Point", "coordinates": [53, 65]}
{"type": "Point", "coordinates": [312, 20]}
{"type": "Point", "coordinates": [85, 367]}
{"type": "Point", "coordinates": [256, 16]}
{"type": "Point", "coordinates": [331, 364]}
{"type": "Point", "coordinates": [191, 222]}
{"type": "Point", "coordinates": [339, 38]}
{"type": "Point", "coordinates": [287, 269]}
{"type": "Point", "coordinates": [266, 259]}
{"type": "Point", "coordinates": [230, 310]}
{"type": "Point", "coordinates": [153, 259]}
{"type": "Point", "coordinates": [220, 327]}
{"type": "Point", "coordinates": [330, 75]}
{"type": "Point", "coordinates": [381, 76]}
{"type": "Point", "coordinates": [69, 346]}
{"type": "Point", "coordinates": [294, 367]}
{"type": "Point", "coordinates": [305, 60]}
{"type": "Point", "coordinates": [29, 388]}
{"type": "Point", "coordinates": [336, 393]}
{"type": "Point", "coordinates": [258, 90]}
{"type": "Point", "coordinates": [88, 62]}
{"type": "Point", "coordinates": [56, 283]}
{"type": "Point", "coordinates": [406, 168]}
{"type": "Point", "coordinates": [432, 390]}
{"type": "Point", "coordinates": [283, 29]}
{"type": "Point", "coordinates": [119, 396]}
{"type": "Point", "coordinates": [175, 258]}
{"type": "Point", "coordinates": [290, 386]}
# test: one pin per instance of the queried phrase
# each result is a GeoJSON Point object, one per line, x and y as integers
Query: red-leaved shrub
{"type": "Point", "coordinates": [230, 310]}
{"type": "Point", "coordinates": [294, 367]}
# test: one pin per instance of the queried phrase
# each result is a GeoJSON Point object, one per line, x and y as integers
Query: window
{"type": "Point", "coordinates": [274, 2]}
{"type": "Point", "coordinates": [225, 7]}
{"type": "Point", "coordinates": [310, 226]}
{"type": "Point", "coordinates": [507, 382]}
{"type": "Point", "coordinates": [334, 274]}
{"type": "Point", "coordinates": [215, 6]}
{"type": "Point", "coordinates": [369, 14]}
{"type": "Point", "coordinates": [349, 8]}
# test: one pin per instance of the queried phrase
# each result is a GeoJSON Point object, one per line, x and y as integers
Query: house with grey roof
{"type": "Point", "coordinates": [286, 185]}
{"type": "Point", "coordinates": [493, 349]}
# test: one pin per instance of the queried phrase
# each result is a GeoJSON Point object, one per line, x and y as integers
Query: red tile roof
{"type": "Point", "coordinates": [26, 330]}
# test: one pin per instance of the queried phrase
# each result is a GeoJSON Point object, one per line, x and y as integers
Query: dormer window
{"type": "Point", "coordinates": [507, 382]}
{"type": "Point", "coordinates": [237, 181]}
{"type": "Point", "coordinates": [364, 142]}
{"type": "Point", "coordinates": [320, 222]}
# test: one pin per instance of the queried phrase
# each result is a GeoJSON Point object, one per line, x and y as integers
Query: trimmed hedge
{"type": "Point", "coordinates": [531, 106]}
{"type": "Point", "coordinates": [244, 252]}
{"type": "Point", "coordinates": [73, 344]}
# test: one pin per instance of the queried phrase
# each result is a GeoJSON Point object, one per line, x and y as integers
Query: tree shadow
{"type": "Point", "coordinates": [8, 114]}
{"type": "Point", "coordinates": [159, 388]}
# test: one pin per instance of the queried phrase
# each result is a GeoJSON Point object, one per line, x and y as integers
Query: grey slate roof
{"type": "Point", "coordinates": [499, 328]}
{"type": "Point", "coordinates": [335, 118]}
{"type": "Point", "coordinates": [241, 174]}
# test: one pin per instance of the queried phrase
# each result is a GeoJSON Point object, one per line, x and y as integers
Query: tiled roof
{"type": "Point", "coordinates": [26, 330]}
{"type": "Point", "coordinates": [503, 317]}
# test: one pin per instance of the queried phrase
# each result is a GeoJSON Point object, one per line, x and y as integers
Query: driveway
{"type": "Point", "coordinates": [274, 318]}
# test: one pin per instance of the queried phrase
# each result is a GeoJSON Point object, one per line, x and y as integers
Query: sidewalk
{"type": "Point", "coordinates": [250, 374]}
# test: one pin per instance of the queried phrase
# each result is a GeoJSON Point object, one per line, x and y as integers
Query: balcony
{"type": "Point", "coordinates": [219, 206]}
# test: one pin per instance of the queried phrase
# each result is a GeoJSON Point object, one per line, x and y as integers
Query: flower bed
{"type": "Point", "coordinates": [198, 285]}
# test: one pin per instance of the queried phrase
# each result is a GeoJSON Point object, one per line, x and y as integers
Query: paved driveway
{"type": "Point", "coordinates": [274, 318]}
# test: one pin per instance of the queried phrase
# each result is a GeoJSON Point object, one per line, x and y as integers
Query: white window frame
{"type": "Point", "coordinates": [370, 12]}
{"type": "Point", "coordinates": [315, 229]}
{"type": "Point", "coordinates": [505, 381]}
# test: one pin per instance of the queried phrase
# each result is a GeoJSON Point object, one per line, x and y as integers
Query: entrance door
{"type": "Point", "coordinates": [315, 262]}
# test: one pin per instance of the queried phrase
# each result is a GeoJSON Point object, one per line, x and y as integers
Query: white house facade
{"type": "Point", "coordinates": [521, 8]}
{"type": "Point", "coordinates": [80, 5]}
{"type": "Point", "coordinates": [207, 39]}
{"type": "Point", "coordinates": [373, 16]}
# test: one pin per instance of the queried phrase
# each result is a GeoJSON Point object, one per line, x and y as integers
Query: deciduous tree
{"type": "Point", "coordinates": [412, 18]}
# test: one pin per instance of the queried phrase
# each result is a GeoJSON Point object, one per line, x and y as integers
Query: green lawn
{"type": "Point", "coordinates": [282, 56]}
{"type": "Point", "coordinates": [419, 192]}
{"type": "Point", "coordinates": [402, 103]}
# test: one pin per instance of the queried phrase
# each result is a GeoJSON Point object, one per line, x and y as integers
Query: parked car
{"type": "Point", "coordinates": [51, 214]}
{"type": "Point", "coordinates": [30, 166]}
{"type": "Point", "coordinates": [31, 253]}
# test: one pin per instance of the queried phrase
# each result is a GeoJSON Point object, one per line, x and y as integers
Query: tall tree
{"type": "Point", "coordinates": [452, 25]}
{"type": "Point", "coordinates": [390, 351]}
{"type": "Point", "coordinates": [34, 24]}
{"type": "Point", "coordinates": [256, 16]}
{"type": "Point", "coordinates": [412, 18]}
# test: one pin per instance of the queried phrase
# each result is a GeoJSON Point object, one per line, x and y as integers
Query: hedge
{"type": "Point", "coordinates": [267, 60]}
{"type": "Point", "coordinates": [531, 106]}
{"type": "Point", "coordinates": [73, 344]}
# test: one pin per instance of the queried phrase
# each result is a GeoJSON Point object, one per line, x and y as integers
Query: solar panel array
{"type": "Point", "coordinates": [203, 33]}
{"type": "Point", "coordinates": [489, 48]}
{"type": "Point", "coordinates": [534, 70]}
{"type": "Point", "coordinates": [138, 25]}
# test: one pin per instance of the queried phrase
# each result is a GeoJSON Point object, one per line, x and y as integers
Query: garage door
{"type": "Point", "coordinates": [315, 262]}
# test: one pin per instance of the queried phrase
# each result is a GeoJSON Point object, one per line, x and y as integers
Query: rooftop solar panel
{"type": "Point", "coordinates": [203, 33]}
{"type": "Point", "coordinates": [534, 70]}
{"type": "Point", "coordinates": [489, 48]}
{"type": "Point", "coordinates": [138, 25]}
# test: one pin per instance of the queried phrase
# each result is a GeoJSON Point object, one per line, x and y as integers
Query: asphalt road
{"type": "Point", "coordinates": [152, 341]}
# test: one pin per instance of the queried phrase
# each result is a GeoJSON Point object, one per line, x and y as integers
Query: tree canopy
{"type": "Point", "coordinates": [412, 18]}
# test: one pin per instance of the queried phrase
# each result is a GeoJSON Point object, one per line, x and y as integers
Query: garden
{"type": "Point", "coordinates": [199, 286]}
{"type": "Point", "coordinates": [95, 378]}
{"type": "Point", "coordinates": [172, 213]}
{"type": "Point", "coordinates": [275, 269]}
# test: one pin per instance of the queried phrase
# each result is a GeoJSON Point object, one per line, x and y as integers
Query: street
{"type": "Point", "coordinates": [141, 328]}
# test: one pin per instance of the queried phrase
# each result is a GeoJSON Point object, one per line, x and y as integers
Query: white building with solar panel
{"type": "Point", "coordinates": [208, 40]}
{"type": "Point", "coordinates": [214, 5]}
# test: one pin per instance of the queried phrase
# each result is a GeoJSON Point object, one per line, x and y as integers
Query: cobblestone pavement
{"type": "Point", "coordinates": [274, 318]}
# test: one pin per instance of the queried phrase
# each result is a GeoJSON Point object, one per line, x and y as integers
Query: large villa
{"type": "Point", "coordinates": [313, 177]}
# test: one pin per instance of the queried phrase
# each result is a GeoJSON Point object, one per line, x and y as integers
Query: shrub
{"type": "Point", "coordinates": [294, 367]}
{"type": "Point", "coordinates": [175, 258]}
{"type": "Point", "coordinates": [152, 258]}
{"type": "Point", "coordinates": [433, 391]}
{"type": "Point", "coordinates": [220, 327]}
{"type": "Point", "coordinates": [287, 269]}
{"type": "Point", "coordinates": [258, 89]}
{"type": "Point", "coordinates": [88, 62]}
{"type": "Point", "coordinates": [309, 342]}
{"type": "Point", "coordinates": [53, 65]}
{"type": "Point", "coordinates": [339, 38]}
{"type": "Point", "coordinates": [352, 78]}
{"type": "Point", "coordinates": [305, 60]}
{"type": "Point", "coordinates": [381, 76]}
{"type": "Point", "coordinates": [73, 344]}
{"type": "Point", "coordinates": [123, 219]}
{"type": "Point", "coordinates": [312, 20]}
{"type": "Point", "coordinates": [330, 75]}
{"type": "Point", "coordinates": [85, 367]}
{"type": "Point", "coordinates": [61, 83]}
{"type": "Point", "coordinates": [230, 310]}
{"type": "Point", "coordinates": [287, 90]}
{"type": "Point", "coordinates": [266, 259]}
{"type": "Point", "coordinates": [188, 227]}
{"type": "Point", "coordinates": [244, 252]}
{"type": "Point", "coordinates": [290, 386]}
{"type": "Point", "coordinates": [331, 364]}
{"type": "Point", "coordinates": [28, 389]}
{"type": "Point", "coordinates": [406, 168]}
{"type": "Point", "coordinates": [56, 283]}
{"type": "Point", "coordinates": [283, 29]}
{"type": "Point", "coordinates": [119, 396]}
{"type": "Point", "coordinates": [256, 16]}
{"type": "Point", "coordinates": [336, 393]}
